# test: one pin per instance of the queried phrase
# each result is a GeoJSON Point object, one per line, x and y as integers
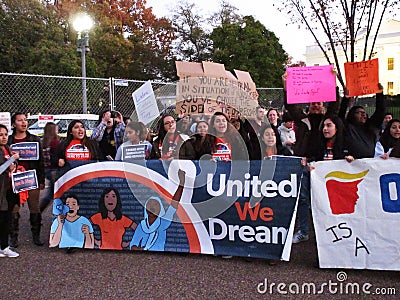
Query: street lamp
{"type": "Point", "coordinates": [82, 24]}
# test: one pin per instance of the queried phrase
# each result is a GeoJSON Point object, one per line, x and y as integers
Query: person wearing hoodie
{"type": "Point", "coordinates": [286, 132]}
{"type": "Point", "coordinates": [151, 233]}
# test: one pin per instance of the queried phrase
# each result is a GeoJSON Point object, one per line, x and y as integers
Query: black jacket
{"type": "Point", "coordinates": [37, 165]}
{"type": "Point", "coordinates": [360, 140]}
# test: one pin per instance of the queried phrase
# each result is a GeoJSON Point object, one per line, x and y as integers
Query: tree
{"type": "Point", "coordinates": [226, 15]}
{"type": "Point", "coordinates": [193, 42]}
{"type": "Point", "coordinates": [246, 44]}
{"type": "Point", "coordinates": [340, 23]}
{"type": "Point", "coordinates": [128, 40]}
{"type": "Point", "coordinates": [32, 40]}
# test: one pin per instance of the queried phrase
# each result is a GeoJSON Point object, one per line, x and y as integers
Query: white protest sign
{"type": "Point", "coordinates": [145, 103]}
{"type": "Point", "coordinates": [356, 213]}
{"type": "Point", "coordinates": [5, 119]}
{"type": "Point", "coordinates": [44, 119]}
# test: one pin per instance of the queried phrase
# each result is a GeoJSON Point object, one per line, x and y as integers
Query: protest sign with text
{"type": "Point", "coordinates": [145, 103]}
{"type": "Point", "coordinates": [5, 119]}
{"type": "Point", "coordinates": [24, 181]}
{"type": "Point", "coordinates": [26, 150]}
{"type": "Point", "coordinates": [207, 95]}
{"type": "Point", "coordinates": [356, 212]}
{"type": "Point", "coordinates": [208, 88]}
{"type": "Point", "coordinates": [362, 77]}
{"type": "Point", "coordinates": [134, 152]}
{"type": "Point", "coordinates": [310, 84]}
{"type": "Point", "coordinates": [215, 215]}
{"type": "Point", "coordinates": [44, 119]}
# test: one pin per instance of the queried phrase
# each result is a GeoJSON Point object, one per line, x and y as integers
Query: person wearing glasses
{"type": "Point", "coordinates": [361, 131]}
{"type": "Point", "coordinates": [168, 140]}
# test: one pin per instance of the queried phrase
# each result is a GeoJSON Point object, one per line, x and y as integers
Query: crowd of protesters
{"type": "Point", "coordinates": [322, 133]}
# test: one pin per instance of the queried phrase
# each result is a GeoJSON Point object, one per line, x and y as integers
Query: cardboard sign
{"type": "Point", "coordinates": [208, 88]}
{"type": "Point", "coordinates": [310, 84]}
{"type": "Point", "coordinates": [44, 119]}
{"type": "Point", "coordinates": [24, 181]}
{"type": "Point", "coordinates": [27, 150]}
{"type": "Point", "coordinates": [362, 77]}
{"type": "Point", "coordinates": [145, 103]}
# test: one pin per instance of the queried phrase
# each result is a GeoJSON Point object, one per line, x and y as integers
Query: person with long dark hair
{"type": "Point", "coordinates": [5, 155]}
{"type": "Point", "coordinates": [77, 146]}
{"type": "Point", "coordinates": [268, 138]}
{"type": "Point", "coordinates": [168, 140]}
{"type": "Point", "coordinates": [332, 140]}
{"type": "Point", "coordinates": [226, 141]}
{"type": "Point", "coordinates": [198, 145]}
{"type": "Point", "coordinates": [111, 221]}
{"type": "Point", "coordinates": [389, 140]}
{"type": "Point", "coordinates": [50, 142]}
{"type": "Point", "coordinates": [22, 135]}
{"type": "Point", "coordinates": [135, 133]}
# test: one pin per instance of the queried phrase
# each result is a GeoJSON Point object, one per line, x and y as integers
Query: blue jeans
{"type": "Point", "coordinates": [303, 208]}
{"type": "Point", "coordinates": [48, 194]}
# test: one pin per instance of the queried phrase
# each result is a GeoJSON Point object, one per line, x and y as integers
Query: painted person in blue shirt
{"type": "Point", "coordinates": [71, 229]}
{"type": "Point", "coordinates": [151, 232]}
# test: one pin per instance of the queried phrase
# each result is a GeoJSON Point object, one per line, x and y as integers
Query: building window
{"type": "Point", "coordinates": [390, 88]}
{"type": "Point", "coordinates": [316, 65]}
{"type": "Point", "coordinates": [390, 63]}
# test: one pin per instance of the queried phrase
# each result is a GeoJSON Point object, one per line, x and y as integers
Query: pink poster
{"type": "Point", "coordinates": [310, 84]}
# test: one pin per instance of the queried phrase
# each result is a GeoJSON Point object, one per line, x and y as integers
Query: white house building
{"type": "Point", "coordinates": [387, 50]}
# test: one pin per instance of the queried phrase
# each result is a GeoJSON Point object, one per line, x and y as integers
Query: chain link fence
{"type": "Point", "coordinates": [43, 94]}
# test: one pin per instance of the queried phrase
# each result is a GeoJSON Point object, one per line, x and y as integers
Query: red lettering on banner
{"type": "Point", "coordinates": [266, 213]}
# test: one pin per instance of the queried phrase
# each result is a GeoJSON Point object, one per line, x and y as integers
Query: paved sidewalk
{"type": "Point", "coordinates": [44, 273]}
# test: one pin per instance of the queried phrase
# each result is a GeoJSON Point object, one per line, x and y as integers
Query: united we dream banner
{"type": "Point", "coordinates": [238, 208]}
{"type": "Point", "coordinates": [356, 213]}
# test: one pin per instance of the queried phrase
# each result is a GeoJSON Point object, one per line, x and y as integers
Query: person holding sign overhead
{"type": "Point", "coordinates": [22, 135]}
{"type": "Point", "coordinates": [361, 131]}
{"type": "Point", "coordinates": [307, 145]}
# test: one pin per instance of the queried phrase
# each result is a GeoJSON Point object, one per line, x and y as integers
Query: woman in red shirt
{"type": "Point", "coordinates": [226, 141]}
{"type": "Point", "coordinates": [77, 146]}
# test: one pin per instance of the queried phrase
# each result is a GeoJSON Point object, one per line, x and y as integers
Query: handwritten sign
{"type": "Point", "coordinates": [362, 77]}
{"type": "Point", "coordinates": [145, 103]}
{"type": "Point", "coordinates": [44, 119]}
{"type": "Point", "coordinates": [310, 84]}
{"type": "Point", "coordinates": [205, 88]}
{"type": "Point", "coordinates": [27, 150]}
{"type": "Point", "coordinates": [134, 152]}
{"type": "Point", "coordinates": [5, 119]}
{"type": "Point", "coordinates": [24, 181]}
{"type": "Point", "coordinates": [196, 95]}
